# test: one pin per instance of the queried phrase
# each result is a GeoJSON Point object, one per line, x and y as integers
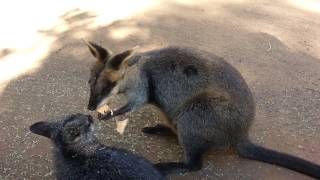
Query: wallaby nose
{"type": "Point", "coordinates": [90, 119]}
{"type": "Point", "coordinates": [91, 107]}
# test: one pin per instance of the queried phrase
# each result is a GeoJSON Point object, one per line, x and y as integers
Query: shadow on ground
{"type": "Point", "coordinates": [285, 83]}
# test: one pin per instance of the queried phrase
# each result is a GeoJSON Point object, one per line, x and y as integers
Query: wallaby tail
{"type": "Point", "coordinates": [249, 150]}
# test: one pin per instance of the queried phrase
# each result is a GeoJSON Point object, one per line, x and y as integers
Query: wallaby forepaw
{"type": "Point", "coordinates": [104, 117]}
{"type": "Point", "coordinates": [148, 130]}
{"type": "Point", "coordinates": [158, 130]}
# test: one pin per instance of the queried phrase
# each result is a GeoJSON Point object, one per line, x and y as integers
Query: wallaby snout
{"type": "Point", "coordinates": [92, 105]}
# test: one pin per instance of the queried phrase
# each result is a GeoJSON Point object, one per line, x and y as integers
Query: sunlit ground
{"type": "Point", "coordinates": [23, 46]}
{"type": "Point", "coordinates": [308, 5]}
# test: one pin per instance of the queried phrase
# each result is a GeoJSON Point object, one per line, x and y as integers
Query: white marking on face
{"type": "Point", "coordinates": [106, 100]}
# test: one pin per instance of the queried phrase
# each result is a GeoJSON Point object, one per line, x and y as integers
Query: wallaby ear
{"type": "Point", "coordinates": [120, 58]}
{"type": "Point", "coordinates": [98, 52]}
{"type": "Point", "coordinates": [41, 128]}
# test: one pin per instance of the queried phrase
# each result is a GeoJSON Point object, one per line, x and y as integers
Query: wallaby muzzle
{"type": "Point", "coordinates": [92, 103]}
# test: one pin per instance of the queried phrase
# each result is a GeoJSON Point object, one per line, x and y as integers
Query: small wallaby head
{"type": "Point", "coordinates": [105, 73]}
{"type": "Point", "coordinates": [74, 129]}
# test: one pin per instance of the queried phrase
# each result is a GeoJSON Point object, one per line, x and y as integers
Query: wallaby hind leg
{"type": "Point", "coordinates": [159, 129]}
{"type": "Point", "coordinates": [193, 160]}
{"type": "Point", "coordinates": [194, 149]}
{"type": "Point", "coordinates": [196, 133]}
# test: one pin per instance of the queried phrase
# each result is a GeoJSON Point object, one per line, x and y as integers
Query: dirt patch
{"type": "Point", "coordinates": [273, 44]}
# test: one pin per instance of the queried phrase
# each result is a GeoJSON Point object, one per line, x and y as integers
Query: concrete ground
{"type": "Point", "coordinates": [44, 68]}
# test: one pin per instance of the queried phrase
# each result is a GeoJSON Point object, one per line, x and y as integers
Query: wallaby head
{"type": "Point", "coordinates": [68, 131]}
{"type": "Point", "coordinates": [105, 73]}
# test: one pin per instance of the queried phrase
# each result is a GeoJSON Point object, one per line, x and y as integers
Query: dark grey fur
{"type": "Point", "coordinates": [78, 155]}
{"type": "Point", "coordinates": [206, 101]}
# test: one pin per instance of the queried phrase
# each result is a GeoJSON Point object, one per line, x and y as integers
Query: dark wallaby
{"type": "Point", "coordinates": [206, 102]}
{"type": "Point", "coordinates": [78, 154]}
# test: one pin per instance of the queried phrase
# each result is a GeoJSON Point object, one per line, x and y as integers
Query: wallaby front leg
{"type": "Point", "coordinates": [124, 109]}
{"type": "Point", "coordinates": [159, 129]}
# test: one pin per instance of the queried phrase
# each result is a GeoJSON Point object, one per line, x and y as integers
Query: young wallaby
{"type": "Point", "coordinates": [78, 154]}
{"type": "Point", "coordinates": [206, 102]}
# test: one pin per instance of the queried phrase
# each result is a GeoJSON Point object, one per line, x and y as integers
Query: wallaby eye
{"type": "Point", "coordinates": [75, 133]}
{"type": "Point", "coordinates": [91, 80]}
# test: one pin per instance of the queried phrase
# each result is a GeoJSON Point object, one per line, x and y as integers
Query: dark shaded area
{"type": "Point", "coordinates": [285, 83]}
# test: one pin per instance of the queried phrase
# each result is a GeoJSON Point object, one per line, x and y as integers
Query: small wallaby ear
{"type": "Point", "coordinates": [41, 128]}
{"type": "Point", "coordinates": [116, 60]}
{"type": "Point", "coordinates": [98, 52]}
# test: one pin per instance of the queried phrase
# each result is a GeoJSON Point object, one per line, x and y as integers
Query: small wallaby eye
{"type": "Point", "coordinates": [75, 133]}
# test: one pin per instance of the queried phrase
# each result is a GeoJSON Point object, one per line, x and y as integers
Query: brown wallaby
{"type": "Point", "coordinates": [78, 155]}
{"type": "Point", "coordinates": [206, 101]}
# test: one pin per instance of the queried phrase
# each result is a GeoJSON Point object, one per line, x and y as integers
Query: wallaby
{"type": "Point", "coordinates": [79, 155]}
{"type": "Point", "coordinates": [206, 102]}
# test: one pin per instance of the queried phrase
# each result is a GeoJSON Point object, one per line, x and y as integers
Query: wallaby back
{"type": "Point", "coordinates": [178, 74]}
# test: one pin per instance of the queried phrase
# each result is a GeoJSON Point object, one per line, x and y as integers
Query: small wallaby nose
{"type": "Point", "coordinates": [90, 119]}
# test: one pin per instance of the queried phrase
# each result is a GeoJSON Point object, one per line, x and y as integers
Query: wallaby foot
{"type": "Point", "coordinates": [159, 129]}
{"type": "Point", "coordinates": [193, 162]}
{"type": "Point", "coordinates": [177, 167]}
